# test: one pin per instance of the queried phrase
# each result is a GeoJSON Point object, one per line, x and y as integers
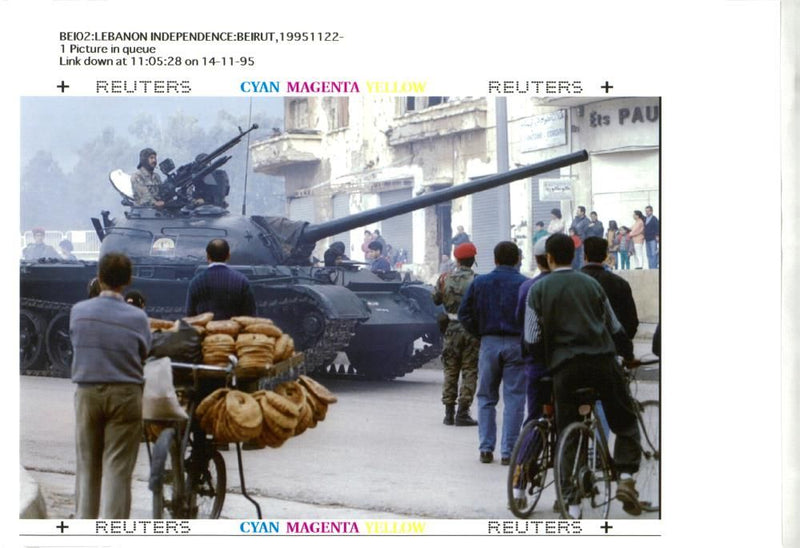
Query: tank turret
{"type": "Point", "coordinates": [385, 324]}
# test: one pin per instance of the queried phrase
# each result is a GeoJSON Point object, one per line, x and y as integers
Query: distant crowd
{"type": "Point", "coordinates": [628, 247]}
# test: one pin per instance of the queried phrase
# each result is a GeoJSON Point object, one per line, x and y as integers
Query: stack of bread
{"type": "Point", "coordinates": [230, 415]}
{"type": "Point", "coordinates": [285, 412]}
{"type": "Point", "coordinates": [257, 342]}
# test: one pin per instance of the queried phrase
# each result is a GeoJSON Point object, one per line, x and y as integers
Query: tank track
{"type": "Point", "coordinates": [389, 371]}
{"type": "Point", "coordinates": [46, 310]}
{"type": "Point", "coordinates": [336, 335]}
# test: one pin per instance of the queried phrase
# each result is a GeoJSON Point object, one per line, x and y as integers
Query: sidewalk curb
{"type": "Point", "coordinates": [31, 501]}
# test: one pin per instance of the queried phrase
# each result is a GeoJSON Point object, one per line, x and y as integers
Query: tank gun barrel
{"type": "Point", "coordinates": [314, 233]}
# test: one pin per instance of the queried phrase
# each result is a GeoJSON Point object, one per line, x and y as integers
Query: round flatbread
{"type": "Point", "coordinates": [218, 339]}
{"type": "Point", "coordinates": [200, 319]}
{"type": "Point", "coordinates": [267, 329]}
{"type": "Point", "coordinates": [210, 400]}
{"type": "Point", "coordinates": [273, 416]}
{"type": "Point", "coordinates": [228, 327]}
{"type": "Point", "coordinates": [317, 389]}
{"type": "Point", "coordinates": [250, 320]}
{"type": "Point", "coordinates": [155, 323]}
{"type": "Point", "coordinates": [244, 416]}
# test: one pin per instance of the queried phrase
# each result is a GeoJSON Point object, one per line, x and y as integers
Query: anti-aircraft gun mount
{"type": "Point", "coordinates": [378, 321]}
{"type": "Point", "coordinates": [182, 187]}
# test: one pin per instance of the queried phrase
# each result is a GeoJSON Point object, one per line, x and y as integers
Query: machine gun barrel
{"type": "Point", "coordinates": [230, 144]}
{"type": "Point", "coordinates": [314, 233]}
{"type": "Point", "coordinates": [198, 169]}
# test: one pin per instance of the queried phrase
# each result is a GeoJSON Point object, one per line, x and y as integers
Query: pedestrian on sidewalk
{"type": "Point", "coordinates": [488, 311]}
{"type": "Point", "coordinates": [110, 341]}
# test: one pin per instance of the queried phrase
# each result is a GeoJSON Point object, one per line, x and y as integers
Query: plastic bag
{"type": "Point", "coordinates": [159, 400]}
{"type": "Point", "coordinates": [183, 345]}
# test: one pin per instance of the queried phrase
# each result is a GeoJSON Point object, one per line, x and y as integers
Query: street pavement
{"type": "Point", "coordinates": [382, 452]}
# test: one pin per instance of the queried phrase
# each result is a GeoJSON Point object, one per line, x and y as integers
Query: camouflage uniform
{"type": "Point", "coordinates": [460, 352]}
{"type": "Point", "coordinates": [146, 186]}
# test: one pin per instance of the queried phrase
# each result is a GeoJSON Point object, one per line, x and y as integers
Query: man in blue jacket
{"type": "Point", "coordinates": [220, 289]}
{"type": "Point", "coordinates": [488, 311]}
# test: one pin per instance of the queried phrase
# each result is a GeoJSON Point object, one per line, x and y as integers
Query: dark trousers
{"type": "Point", "coordinates": [604, 375]}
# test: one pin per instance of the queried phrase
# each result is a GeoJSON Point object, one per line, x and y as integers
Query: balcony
{"type": "Point", "coordinates": [293, 148]}
{"type": "Point", "coordinates": [439, 121]}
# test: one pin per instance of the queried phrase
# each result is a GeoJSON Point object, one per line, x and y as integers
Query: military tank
{"type": "Point", "coordinates": [385, 323]}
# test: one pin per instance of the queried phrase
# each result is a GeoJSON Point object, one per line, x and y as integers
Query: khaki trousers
{"type": "Point", "coordinates": [108, 429]}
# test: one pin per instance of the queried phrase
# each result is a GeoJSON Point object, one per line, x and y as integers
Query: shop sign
{"type": "Point", "coordinates": [544, 131]}
{"type": "Point", "coordinates": [551, 190]}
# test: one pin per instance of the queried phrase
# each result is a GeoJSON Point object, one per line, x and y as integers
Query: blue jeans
{"type": "Point", "coordinates": [500, 360]}
{"type": "Point", "coordinates": [652, 253]}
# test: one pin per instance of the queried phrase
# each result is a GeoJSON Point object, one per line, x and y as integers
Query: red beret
{"type": "Point", "coordinates": [38, 230]}
{"type": "Point", "coordinates": [465, 251]}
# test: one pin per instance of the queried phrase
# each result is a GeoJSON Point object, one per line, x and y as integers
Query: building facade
{"type": "Point", "coordinates": [345, 154]}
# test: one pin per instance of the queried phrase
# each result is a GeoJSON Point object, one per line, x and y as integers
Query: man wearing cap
{"type": "Point", "coordinates": [460, 353]}
{"type": "Point", "coordinates": [488, 311]}
{"type": "Point", "coordinates": [38, 249]}
{"type": "Point", "coordinates": [537, 397]}
{"type": "Point", "coordinates": [145, 182]}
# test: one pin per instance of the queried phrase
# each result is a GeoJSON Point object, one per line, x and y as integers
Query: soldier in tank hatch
{"type": "Point", "coordinates": [460, 353]}
{"type": "Point", "coordinates": [145, 182]}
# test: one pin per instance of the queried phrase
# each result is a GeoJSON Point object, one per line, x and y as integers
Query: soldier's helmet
{"type": "Point", "coordinates": [144, 154]}
{"type": "Point", "coordinates": [465, 251]}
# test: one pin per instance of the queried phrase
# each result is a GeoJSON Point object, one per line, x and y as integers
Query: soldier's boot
{"type": "Point", "coordinates": [463, 418]}
{"type": "Point", "coordinates": [449, 414]}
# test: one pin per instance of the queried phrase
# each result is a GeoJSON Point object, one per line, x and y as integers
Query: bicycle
{"type": "Point", "coordinates": [532, 457]}
{"type": "Point", "coordinates": [584, 468]}
{"type": "Point", "coordinates": [187, 473]}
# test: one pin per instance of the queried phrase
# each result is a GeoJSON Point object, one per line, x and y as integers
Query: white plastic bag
{"type": "Point", "coordinates": [159, 401]}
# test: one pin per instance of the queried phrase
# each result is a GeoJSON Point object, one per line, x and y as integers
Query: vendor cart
{"type": "Point", "coordinates": [187, 470]}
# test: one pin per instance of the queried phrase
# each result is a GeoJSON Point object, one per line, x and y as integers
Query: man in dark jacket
{"type": "Point", "coordinates": [617, 289]}
{"type": "Point", "coordinates": [488, 311]}
{"type": "Point", "coordinates": [651, 237]}
{"type": "Point", "coordinates": [579, 224]}
{"type": "Point", "coordinates": [595, 227]}
{"type": "Point", "coordinates": [219, 289]}
{"type": "Point", "coordinates": [570, 324]}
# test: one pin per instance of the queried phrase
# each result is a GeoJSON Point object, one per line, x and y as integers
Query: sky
{"type": "Point", "coordinates": [48, 125]}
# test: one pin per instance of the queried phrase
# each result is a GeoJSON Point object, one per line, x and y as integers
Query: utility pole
{"type": "Point", "coordinates": [504, 196]}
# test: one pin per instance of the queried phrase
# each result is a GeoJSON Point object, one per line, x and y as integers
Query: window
{"type": "Point", "coordinates": [338, 110]}
{"type": "Point", "coordinates": [297, 114]}
{"type": "Point", "coordinates": [413, 103]}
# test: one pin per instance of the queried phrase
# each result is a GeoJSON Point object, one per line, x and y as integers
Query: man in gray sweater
{"type": "Point", "coordinates": [110, 340]}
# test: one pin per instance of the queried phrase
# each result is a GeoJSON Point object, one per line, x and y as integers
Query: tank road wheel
{"type": "Point", "coordinates": [59, 346]}
{"type": "Point", "coordinates": [31, 341]}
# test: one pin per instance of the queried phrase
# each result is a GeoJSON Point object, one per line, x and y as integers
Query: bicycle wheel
{"type": "Point", "coordinates": [582, 473]}
{"type": "Point", "coordinates": [166, 476]}
{"type": "Point", "coordinates": [648, 478]}
{"type": "Point", "coordinates": [208, 489]}
{"type": "Point", "coordinates": [527, 474]}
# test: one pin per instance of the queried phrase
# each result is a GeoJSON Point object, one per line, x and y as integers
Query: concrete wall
{"type": "Point", "coordinates": [645, 288]}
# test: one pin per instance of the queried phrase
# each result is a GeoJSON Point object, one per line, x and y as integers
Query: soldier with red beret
{"type": "Point", "coordinates": [460, 353]}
